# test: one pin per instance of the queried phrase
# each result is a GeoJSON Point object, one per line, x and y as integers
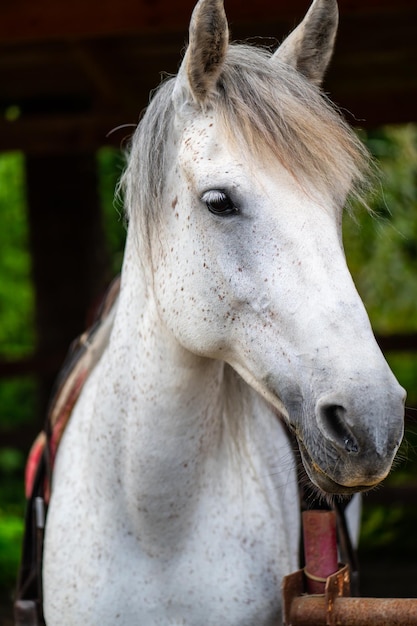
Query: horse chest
{"type": "Point", "coordinates": [225, 571]}
{"type": "Point", "coordinates": [222, 563]}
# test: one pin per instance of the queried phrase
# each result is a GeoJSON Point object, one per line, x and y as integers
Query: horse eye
{"type": "Point", "coordinates": [219, 203]}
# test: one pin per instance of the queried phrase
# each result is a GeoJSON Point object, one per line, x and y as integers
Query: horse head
{"type": "Point", "coordinates": [249, 168]}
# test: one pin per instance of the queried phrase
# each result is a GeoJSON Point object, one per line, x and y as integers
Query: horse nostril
{"type": "Point", "coordinates": [332, 419]}
{"type": "Point", "coordinates": [351, 445]}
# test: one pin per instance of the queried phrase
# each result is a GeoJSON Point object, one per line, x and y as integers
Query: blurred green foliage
{"type": "Point", "coordinates": [110, 167]}
{"type": "Point", "coordinates": [382, 254]}
{"type": "Point", "coordinates": [17, 337]}
{"type": "Point", "coordinates": [11, 514]}
{"type": "Point", "coordinates": [382, 249]}
{"type": "Point", "coordinates": [16, 291]}
{"type": "Point", "coordinates": [17, 330]}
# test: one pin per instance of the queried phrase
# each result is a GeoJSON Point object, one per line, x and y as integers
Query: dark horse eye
{"type": "Point", "coordinates": [219, 203]}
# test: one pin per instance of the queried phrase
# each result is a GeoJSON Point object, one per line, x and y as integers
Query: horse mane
{"type": "Point", "coordinates": [265, 107]}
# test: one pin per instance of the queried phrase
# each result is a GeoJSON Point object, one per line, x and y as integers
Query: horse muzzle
{"type": "Point", "coordinates": [339, 477]}
{"type": "Point", "coordinates": [350, 446]}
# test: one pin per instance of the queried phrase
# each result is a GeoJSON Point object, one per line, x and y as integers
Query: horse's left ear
{"type": "Point", "coordinates": [310, 46]}
{"type": "Point", "coordinates": [201, 66]}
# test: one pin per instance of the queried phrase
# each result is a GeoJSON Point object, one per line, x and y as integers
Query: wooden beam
{"type": "Point", "coordinates": [66, 134]}
{"type": "Point", "coordinates": [41, 20]}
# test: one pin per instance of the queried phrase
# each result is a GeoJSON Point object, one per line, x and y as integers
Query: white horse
{"type": "Point", "coordinates": [174, 498]}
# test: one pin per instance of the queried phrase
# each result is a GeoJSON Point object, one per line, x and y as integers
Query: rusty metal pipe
{"type": "Point", "coordinates": [334, 607]}
{"type": "Point", "coordinates": [313, 610]}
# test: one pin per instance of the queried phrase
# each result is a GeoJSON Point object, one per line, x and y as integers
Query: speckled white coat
{"type": "Point", "coordinates": [174, 498]}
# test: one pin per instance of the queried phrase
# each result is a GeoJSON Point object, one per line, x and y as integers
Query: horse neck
{"type": "Point", "coordinates": [164, 409]}
{"type": "Point", "coordinates": [165, 377]}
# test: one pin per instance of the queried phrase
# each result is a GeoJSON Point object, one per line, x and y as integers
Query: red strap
{"type": "Point", "coordinates": [32, 463]}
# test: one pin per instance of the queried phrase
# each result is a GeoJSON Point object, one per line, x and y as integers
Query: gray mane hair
{"type": "Point", "coordinates": [271, 110]}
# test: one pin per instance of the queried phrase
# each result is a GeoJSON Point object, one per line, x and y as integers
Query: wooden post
{"type": "Point", "coordinates": [69, 256]}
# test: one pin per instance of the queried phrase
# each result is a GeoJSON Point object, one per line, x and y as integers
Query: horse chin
{"type": "Point", "coordinates": [323, 481]}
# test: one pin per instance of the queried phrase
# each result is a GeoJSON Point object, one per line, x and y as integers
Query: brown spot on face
{"type": "Point", "coordinates": [174, 202]}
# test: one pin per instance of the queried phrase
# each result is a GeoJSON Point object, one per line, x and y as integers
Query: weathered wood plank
{"type": "Point", "coordinates": [26, 20]}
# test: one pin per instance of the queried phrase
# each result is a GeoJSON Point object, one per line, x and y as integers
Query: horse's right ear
{"type": "Point", "coordinates": [201, 66]}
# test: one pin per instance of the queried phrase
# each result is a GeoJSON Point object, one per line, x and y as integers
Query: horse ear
{"type": "Point", "coordinates": [201, 66]}
{"type": "Point", "coordinates": [310, 46]}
